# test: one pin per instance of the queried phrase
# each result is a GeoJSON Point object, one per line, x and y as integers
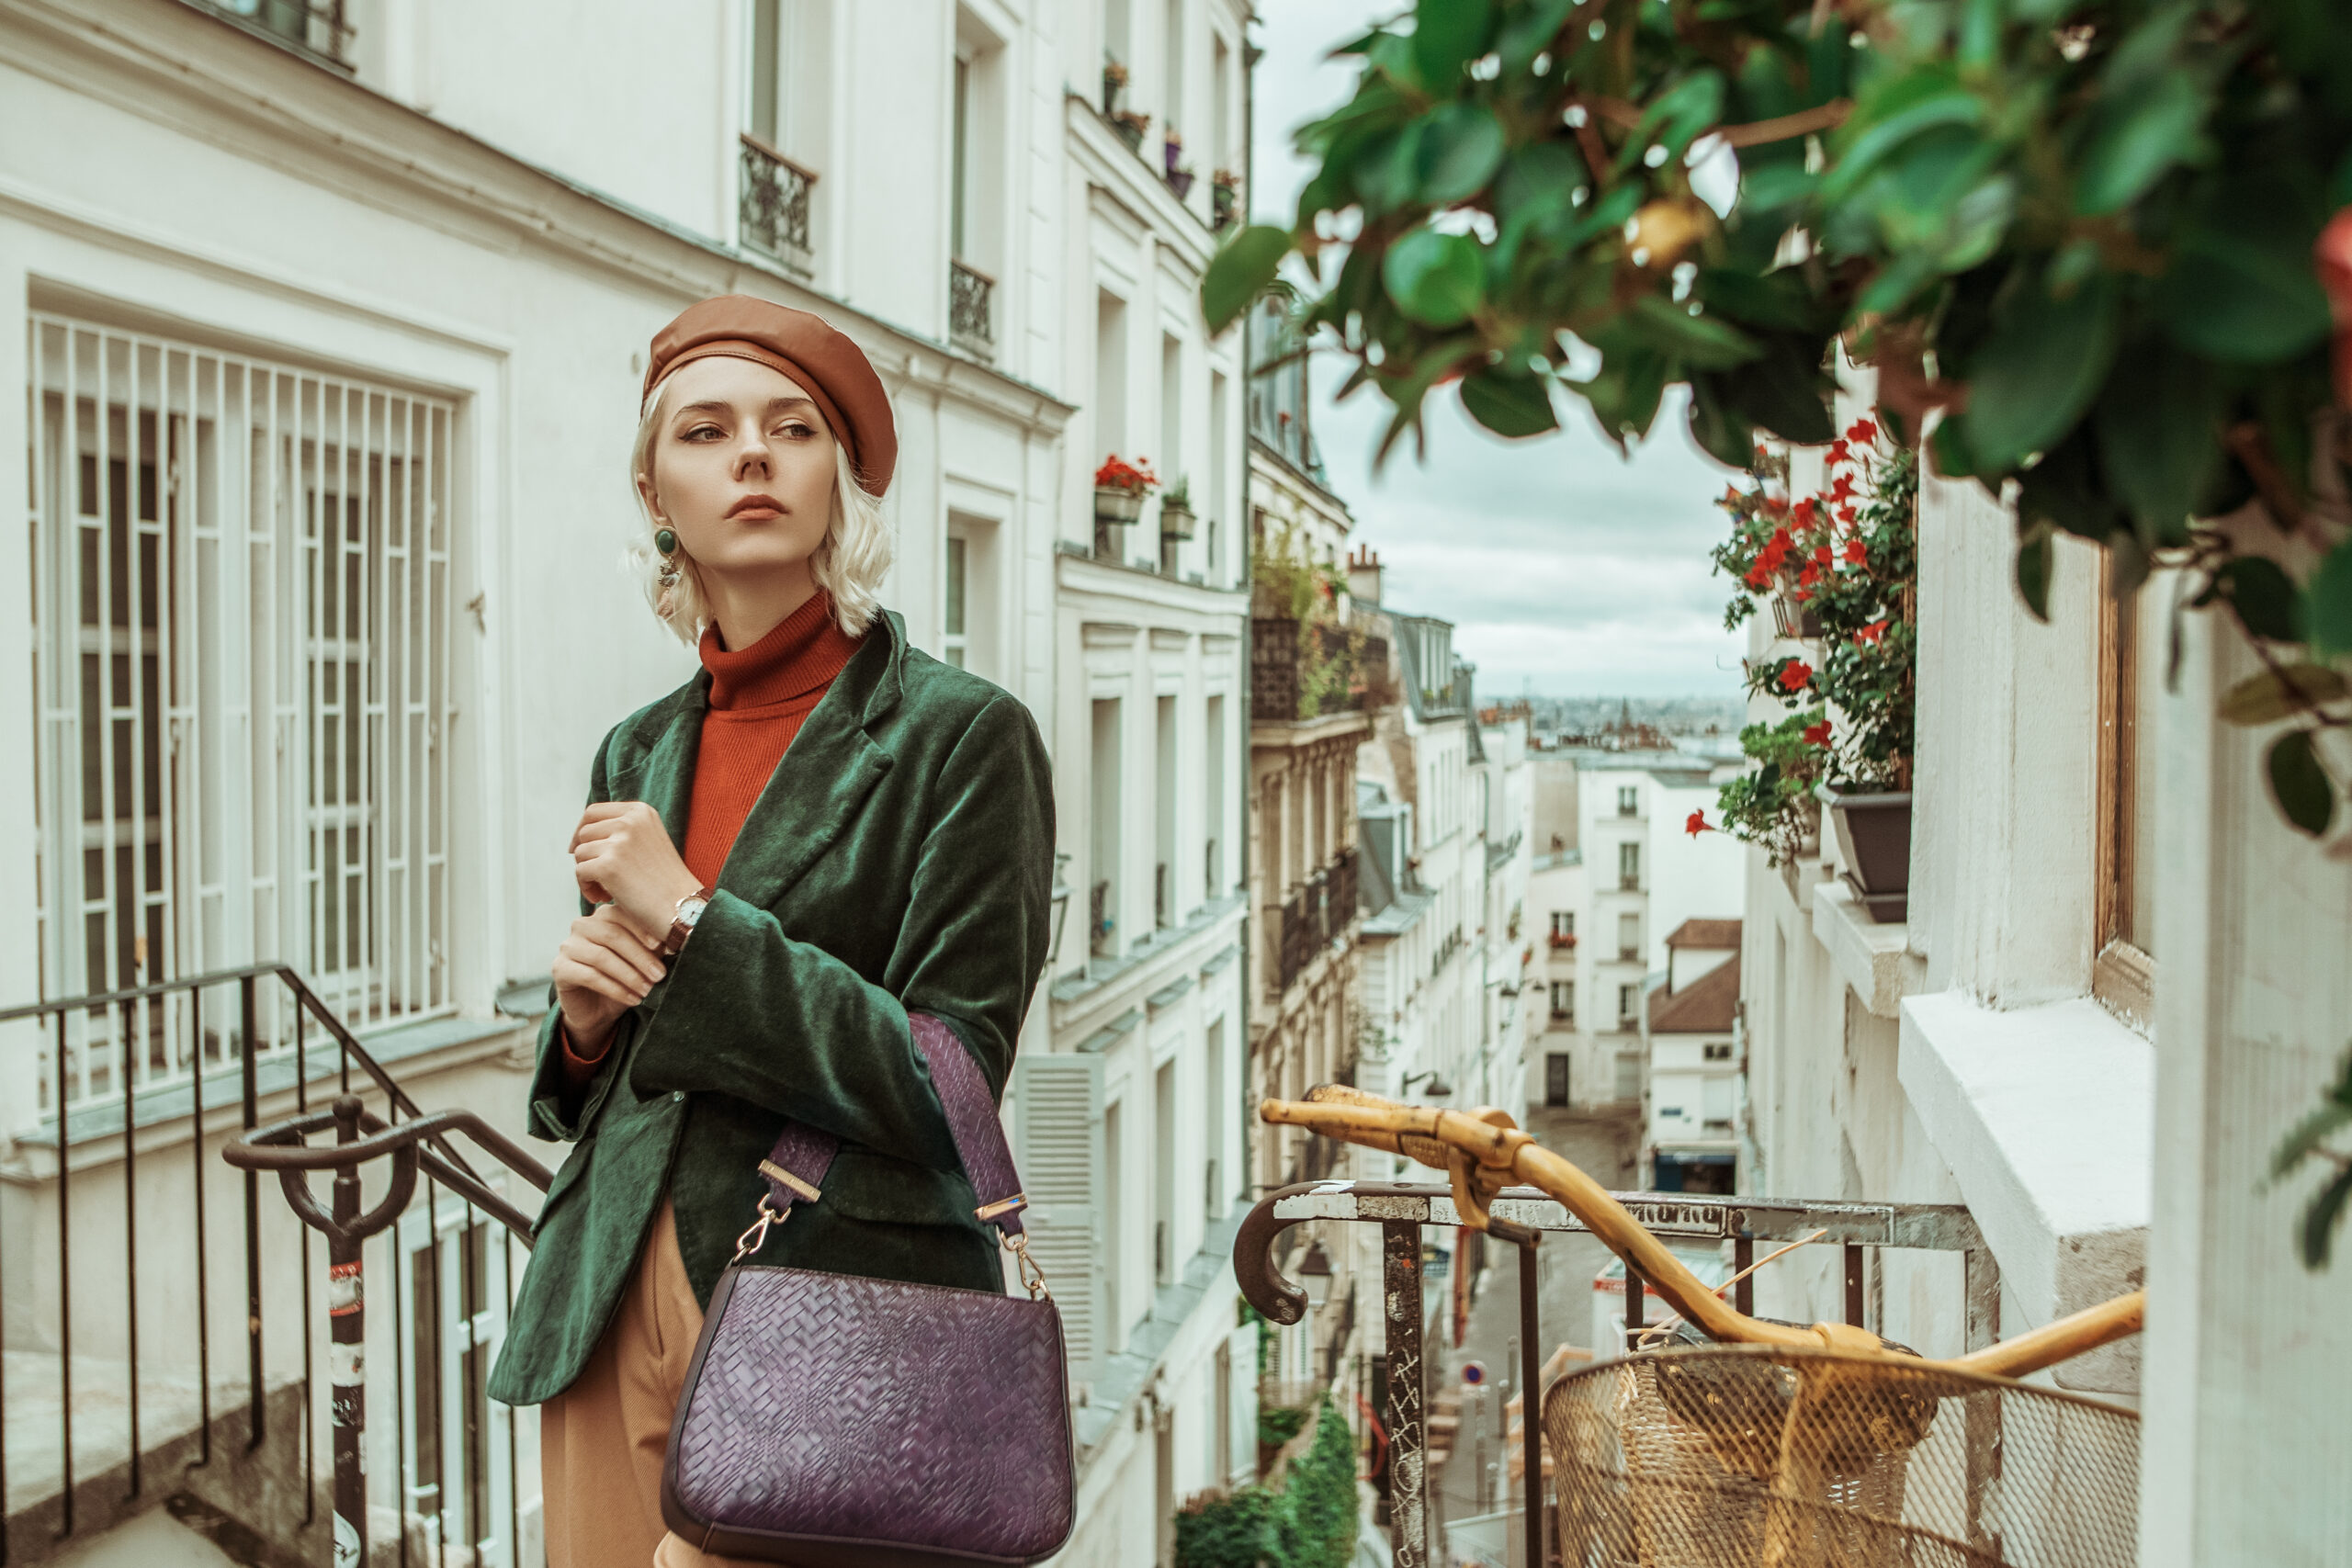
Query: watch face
{"type": "Point", "coordinates": [690, 911]}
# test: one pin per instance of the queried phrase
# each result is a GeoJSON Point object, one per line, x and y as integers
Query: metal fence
{"type": "Point", "coordinates": [773, 208]}
{"type": "Point", "coordinates": [1522, 1217]}
{"type": "Point", "coordinates": [217, 1381]}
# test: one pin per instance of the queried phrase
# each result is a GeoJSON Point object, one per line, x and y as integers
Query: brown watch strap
{"type": "Point", "coordinates": [679, 930]}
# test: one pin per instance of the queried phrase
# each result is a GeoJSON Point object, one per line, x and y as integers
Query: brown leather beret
{"type": "Point", "coordinates": [834, 370]}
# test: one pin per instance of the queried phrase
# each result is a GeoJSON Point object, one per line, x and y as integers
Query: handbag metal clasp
{"type": "Point", "coordinates": [757, 1234]}
{"type": "Point", "coordinates": [1033, 1277]}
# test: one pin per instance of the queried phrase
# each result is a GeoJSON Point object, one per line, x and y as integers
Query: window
{"type": "Point", "coordinates": [1628, 801]}
{"type": "Point", "coordinates": [1213, 799]}
{"type": "Point", "coordinates": [1212, 504]}
{"type": "Point", "coordinates": [1171, 432]}
{"type": "Point", "coordinates": [1564, 1001]}
{"type": "Point", "coordinates": [1110, 400]}
{"type": "Point", "coordinates": [452, 1317]}
{"type": "Point", "coordinates": [959, 158]}
{"type": "Point", "coordinates": [1716, 1051]}
{"type": "Point", "coordinates": [1628, 937]}
{"type": "Point", "coordinates": [955, 644]}
{"type": "Point", "coordinates": [1629, 866]}
{"type": "Point", "coordinates": [241, 606]}
{"type": "Point", "coordinates": [1164, 881]}
{"type": "Point", "coordinates": [1555, 1078]}
{"type": "Point", "coordinates": [777, 191]}
{"type": "Point", "coordinates": [1102, 893]}
{"type": "Point", "coordinates": [1564, 928]}
{"type": "Point", "coordinates": [2131, 678]}
{"type": "Point", "coordinates": [1164, 1174]}
{"type": "Point", "coordinates": [1060, 1123]}
{"type": "Point", "coordinates": [1629, 1001]}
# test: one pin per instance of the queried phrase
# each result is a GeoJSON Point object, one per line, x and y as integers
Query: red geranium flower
{"type": "Point", "coordinates": [1817, 734]}
{"type": "Point", "coordinates": [1757, 576]}
{"type": "Point", "coordinates": [2332, 258]}
{"type": "Point", "coordinates": [1821, 554]}
{"type": "Point", "coordinates": [1872, 631]}
{"type": "Point", "coordinates": [1837, 453]}
{"type": "Point", "coordinates": [1842, 487]}
{"type": "Point", "coordinates": [1857, 553]}
{"type": "Point", "coordinates": [1796, 675]}
{"type": "Point", "coordinates": [1862, 433]}
{"type": "Point", "coordinates": [1809, 574]}
{"type": "Point", "coordinates": [1698, 824]}
{"type": "Point", "coordinates": [1846, 513]}
{"type": "Point", "coordinates": [1803, 515]}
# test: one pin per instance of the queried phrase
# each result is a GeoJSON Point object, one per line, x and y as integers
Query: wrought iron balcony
{"type": "Point", "coordinates": [971, 310]}
{"type": "Point", "coordinates": [1293, 674]}
{"type": "Point", "coordinates": [774, 206]}
{"type": "Point", "coordinates": [320, 28]}
{"type": "Point", "coordinates": [1316, 913]}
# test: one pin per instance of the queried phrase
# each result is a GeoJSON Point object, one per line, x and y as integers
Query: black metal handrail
{"type": "Point", "coordinates": [429, 1152]}
{"type": "Point", "coordinates": [1522, 1216]}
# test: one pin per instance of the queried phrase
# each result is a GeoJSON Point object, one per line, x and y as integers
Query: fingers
{"type": "Point", "coordinates": [571, 975]}
{"type": "Point", "coordinates": [611, 928]}
{"type": "Point", "coordinates": [607, 816]}
{"type": "Point", "coordinates": [630, 979]}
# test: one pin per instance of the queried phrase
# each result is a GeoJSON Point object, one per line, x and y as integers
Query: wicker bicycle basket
{"type": "Point", "coordinates": [1756, 1456]}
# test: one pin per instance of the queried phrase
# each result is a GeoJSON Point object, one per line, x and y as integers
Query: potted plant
{"type": "Point", "coordinates": [1119, 488]}
{"type": "Point", "coordinates": [1130, 124]}
{"type": "Point", "coordinates": [1171, 151]}
{"type": "Point", "coordinates": [1849, 559]}
{"type": "Point", "coordinates": [1180, 180]}
{"type": "Point", "coordinates": [1176, 520]}
{"type": "Point", "coordinates": [1114, 82]}
{"type": "Point", "coordinates": [1225, 195]}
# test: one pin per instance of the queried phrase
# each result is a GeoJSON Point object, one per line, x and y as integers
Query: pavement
{"type": "Point", "coordinates": [1605, 1144]}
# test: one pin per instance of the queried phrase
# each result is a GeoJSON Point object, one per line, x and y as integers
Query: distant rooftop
{"type": "Point", "coordinates": [1706, 1006]}
{"type": "Point", "coordinates": [1714, 934]}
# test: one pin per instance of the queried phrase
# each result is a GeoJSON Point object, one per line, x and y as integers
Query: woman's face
{"type": "Point", "coordinates": [743, 466]}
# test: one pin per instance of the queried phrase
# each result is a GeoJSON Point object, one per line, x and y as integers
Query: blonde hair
{"type": "Point", "coordinates": [848, 563]}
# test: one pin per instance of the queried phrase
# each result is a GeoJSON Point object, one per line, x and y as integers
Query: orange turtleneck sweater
{"type": "Point", "coordinates": [759, 698]}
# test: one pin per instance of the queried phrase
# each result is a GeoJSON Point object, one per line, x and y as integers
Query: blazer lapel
{"type": "Point", "coordinates": [663, 775]}
{"type": "Point", "coordinates": [826, 772]}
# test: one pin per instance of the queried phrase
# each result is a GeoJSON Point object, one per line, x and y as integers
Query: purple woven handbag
{"type": "Point", "coordinates": [834, 1421]}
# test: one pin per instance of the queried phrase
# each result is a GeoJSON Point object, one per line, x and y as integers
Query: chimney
{"type": "Point", "coordinates": [1363, 576]}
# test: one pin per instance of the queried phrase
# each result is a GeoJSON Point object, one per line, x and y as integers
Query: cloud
{"type": "Point", "coordinates": [1566, 569]}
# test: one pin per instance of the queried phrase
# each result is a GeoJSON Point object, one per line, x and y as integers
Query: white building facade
{"type": "Point", "coordinates": [331, 326]}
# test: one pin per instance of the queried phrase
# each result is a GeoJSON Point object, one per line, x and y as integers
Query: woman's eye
{"type": "Point", "coordinates": [701, 432]}
{"type": "Point", "coordinates": [795, 429]}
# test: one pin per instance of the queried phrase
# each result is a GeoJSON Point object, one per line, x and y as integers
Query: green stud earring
{"type": "Point", "coordinates": [665, 541]}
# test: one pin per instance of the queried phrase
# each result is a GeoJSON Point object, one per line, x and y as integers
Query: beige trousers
{"type": "Point", "coordinates": [601, 1440]}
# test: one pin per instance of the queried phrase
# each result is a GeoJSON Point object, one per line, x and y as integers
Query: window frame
{"type": "Point", "coordinates": [2122, 972]}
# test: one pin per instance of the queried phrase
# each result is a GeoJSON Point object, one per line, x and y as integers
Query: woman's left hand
{"type": "Point", "coordinates": [622, 855]}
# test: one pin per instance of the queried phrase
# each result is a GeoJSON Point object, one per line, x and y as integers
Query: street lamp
{"type": "Point", "coordinates": [1314, 1273]}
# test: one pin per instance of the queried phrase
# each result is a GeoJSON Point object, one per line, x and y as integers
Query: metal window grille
{"type": "Point", "coordinates": [240, 636]}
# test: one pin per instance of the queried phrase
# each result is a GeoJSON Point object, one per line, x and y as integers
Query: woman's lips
{"type": "Point", "coordinates": [757, 509]}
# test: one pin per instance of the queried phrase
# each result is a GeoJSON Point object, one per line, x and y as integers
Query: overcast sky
{"type": "Point", "coordinates": [1568, 569]}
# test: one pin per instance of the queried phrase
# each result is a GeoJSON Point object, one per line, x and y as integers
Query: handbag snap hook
{"type": "Point", "coordinates": [755, 1234]}
{"type": "Point", "coordinates": [1031, 1277]}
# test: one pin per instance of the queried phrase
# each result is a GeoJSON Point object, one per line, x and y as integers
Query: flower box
{"type": "Point", "coordinates": [1176, 522]}
{"type": "Point", "coordinates": [1117, 504]}
{"type": "Point", "coordinates": [1875, 841]}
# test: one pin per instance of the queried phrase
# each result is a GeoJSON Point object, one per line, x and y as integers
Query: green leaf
{"type": "Point", "coordinates": [1510, 402]}
{"type": "Point", "coordinates": [2272, 695]}
{"type": "Point", "coordinates": [2156, 425]}
{"type": "Point", "coordinates": [2327, 602]}
{"type": "Point", "coordinates": [2034, 377]}
{"type": "Point", "coordinates": [1240, 272]}
{"type": "Point", "coordinates": [1460, 147]}
{"type": "Point", "coordinates": [2140, 134]}
{"type": "Point", "coordinates": [1784, 391]}
{"type": "Point", "coordinates": [1447, 36]}
{"type": "Point", "coordinates": [2033, 572]}
{"type": "Point", "coordinates": [1949, 448]}
{"type": "Point", "coordinates": [1680, 113]}
{"type": "Point", "coordinates": [1716, 425]}
{"type": "Point", "coordinates": [1436, 280]}
{"type": "Point", "coordinates": [2300, 784]}
{"type": "Point", "coordinates": [1700, 341]}
{"type": "Point", "coordinates": [1868, 142]}
{"type": "Point", "coordinates": [2263, 596]}
{"type": "Point", "coordinates": [2241, 289]}
{"type": "Point", "coordinates": [1530, 32]}
{"type": "Point", "coordinates": [2320, 1220]}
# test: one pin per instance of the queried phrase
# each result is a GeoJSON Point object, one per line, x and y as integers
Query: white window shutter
{"type": "Point", "coordinates": [1060, 1115]}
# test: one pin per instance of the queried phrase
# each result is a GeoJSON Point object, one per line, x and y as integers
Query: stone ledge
{"type": "Point", "coordinates": [2046, 1117]}
{"type": "Point", "coordinates": [1875, 960]}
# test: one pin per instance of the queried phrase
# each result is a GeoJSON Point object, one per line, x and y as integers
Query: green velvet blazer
{"type": "Point", "coordinates": [900, 857]}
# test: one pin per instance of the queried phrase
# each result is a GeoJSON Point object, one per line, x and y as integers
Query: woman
{"type": "Point", "coordinates": [821, 831]}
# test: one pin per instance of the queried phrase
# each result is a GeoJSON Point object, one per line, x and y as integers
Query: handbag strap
{"type": "Point", "coordinates": [796, 1168]}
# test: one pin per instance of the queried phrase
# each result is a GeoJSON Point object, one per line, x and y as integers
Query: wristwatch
{"type": "Point", "coordinates": [690, 909]}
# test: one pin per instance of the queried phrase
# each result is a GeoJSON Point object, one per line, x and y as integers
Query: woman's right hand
{"type": "Point", "coordinates": [602, 969]}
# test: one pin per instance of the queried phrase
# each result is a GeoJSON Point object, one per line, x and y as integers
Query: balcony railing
{"type": "Point", "coordinates": [1305, 669]}
{"type": "Point", "coordinates": [774, 206]}
{"type": "Point", "coordinates": [971, 310]}
{"type": "Point", "coordinates": [1402, 1209]}
{"type": "Point", "coordinates": [1316, 914]}
{"type": "Point", "coordinates": [320, 28]}
{"type": "Point", "coordinates": [184, 1313]}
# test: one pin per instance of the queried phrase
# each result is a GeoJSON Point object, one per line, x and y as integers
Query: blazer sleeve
{"type": "Point", "coordinates": [785, 1025]}
{"type": "Point", "coordinates": [561, 1110]}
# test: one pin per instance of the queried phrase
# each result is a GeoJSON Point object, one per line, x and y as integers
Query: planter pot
{"type": "Point", "coordinates": [1112, 88]}
{"type": "Point", "coordinates": [1180, 181]}
{"type": "Point", "coordinates": [1176, 522]}
{"type": "Point", "coordinates": [1874, 840]}
{"type": "Point", "coordinates": [1130, 134]}
{"type": "Point", "coordinates": [1223, 199]}
{"type": "Point", "coordinates": [1170, 151]}
{"type": "Point", "coordinates": [1793, 620]}
{"type": "Point", "coordinates": [1113, 504]}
